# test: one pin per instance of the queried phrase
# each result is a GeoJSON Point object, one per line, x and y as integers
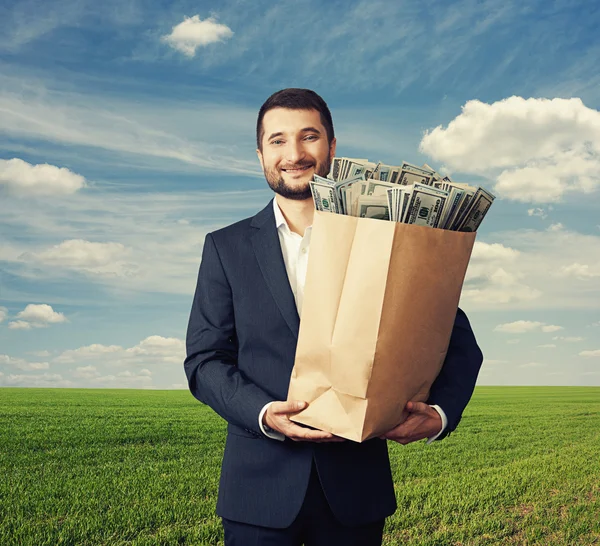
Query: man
{"type": "Point", "coordinates": [281, 483]}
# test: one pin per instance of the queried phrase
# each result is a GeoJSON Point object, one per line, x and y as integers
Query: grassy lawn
{"type": "Point", "coordinates": [91, 467]}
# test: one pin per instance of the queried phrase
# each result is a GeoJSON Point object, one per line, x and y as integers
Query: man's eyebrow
{"type": "Point", "coordinates": [305, 130]}
{"type": "Point", "coordinates": [311, 130]}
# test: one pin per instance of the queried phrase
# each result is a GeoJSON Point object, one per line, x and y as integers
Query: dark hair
{"type": "Point", "coordinates": [295, 99]}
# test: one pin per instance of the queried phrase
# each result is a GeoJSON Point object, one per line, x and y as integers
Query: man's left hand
{"type": "Point", "coordinates": [422, 422]}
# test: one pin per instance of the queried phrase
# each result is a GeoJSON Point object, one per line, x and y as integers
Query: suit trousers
{"type": "Point", "coordinates": [315, 525]}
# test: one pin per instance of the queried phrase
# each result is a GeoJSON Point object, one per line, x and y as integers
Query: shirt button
{"type": "Point", "coordinates": [303, 251]}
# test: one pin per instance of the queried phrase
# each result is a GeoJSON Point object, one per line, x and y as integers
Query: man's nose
{"type": "Point", "coordinates": [295, 152]}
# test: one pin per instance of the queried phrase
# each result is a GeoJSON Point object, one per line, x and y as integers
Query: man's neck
{"type": "Point", "coordinates": [298, 214]}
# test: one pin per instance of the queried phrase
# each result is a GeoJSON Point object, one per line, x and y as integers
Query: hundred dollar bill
{"type": "Point", "coordinates": [481, 203]}
{"type": "Point", "coordinates": [456, 192]}
{"type": "Point", "coordinates": [436, 176]}
{"type": "Point", "coordinates": [395, 196]}
{"type": "Point", "coordinates": [425, 206]}
{"type": "Point", "coordinates": [454, 221]}
{"type": "Point", "coordinates": [342, 189]}
{"type": "Point", "coordinates": [352, 167]}
{"type": "Point", "coordinates": [321, 180]}
{"type": "Point", "coordinates": [335, 168]}
{"type": "Point", "coordinates": [411, 174]}
{"type": "Point", "coordinates": [378, 187]}
{"type": "Point", "coordinates": [373, 207]}
{"type": "Point", "coordinates": [324, 197]}
{"type": "Point", "coordinates": [356, 191]}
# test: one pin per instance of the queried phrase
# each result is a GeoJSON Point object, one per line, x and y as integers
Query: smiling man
{"type": "Point", "coordinates": [283, 484]}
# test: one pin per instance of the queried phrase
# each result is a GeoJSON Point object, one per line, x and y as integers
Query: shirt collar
{"type": "Point", "coordinates": [280, 221]}
{"type": "Point", "coordinates": [279, 217]}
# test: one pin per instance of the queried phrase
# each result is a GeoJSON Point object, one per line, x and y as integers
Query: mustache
{"type": "Point", "coordinates": [297, 165]}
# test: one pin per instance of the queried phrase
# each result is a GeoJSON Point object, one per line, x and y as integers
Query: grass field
{"type": "Point", "coordinates": [91, 467]}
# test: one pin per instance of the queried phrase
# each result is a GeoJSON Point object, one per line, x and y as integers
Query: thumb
{"type": "Point", "coordinates": [416, 407]}
{"type": "Point", "coordinates": [291, 406]}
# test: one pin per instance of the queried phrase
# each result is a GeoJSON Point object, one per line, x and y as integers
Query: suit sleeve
{"type": "Point", "coordinates": [211, 343]}
{"type": "Point", "coordinates": [454, 386]}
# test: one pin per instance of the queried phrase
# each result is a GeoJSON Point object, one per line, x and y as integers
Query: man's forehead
{"type": "Point", "coordinates": [278, 119]}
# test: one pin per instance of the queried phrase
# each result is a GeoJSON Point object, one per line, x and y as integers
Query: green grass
{"type": "Point", "coordinates": [91, 467]}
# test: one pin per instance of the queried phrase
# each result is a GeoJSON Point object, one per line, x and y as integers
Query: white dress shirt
{"type": "Point", "coordinates": [295, 250]}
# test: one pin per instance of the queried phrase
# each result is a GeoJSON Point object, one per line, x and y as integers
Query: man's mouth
{"type": "Point", "coordinates": [297, 170]}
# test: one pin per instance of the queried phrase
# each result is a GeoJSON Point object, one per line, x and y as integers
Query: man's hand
{"type": "Point", "coordinates": [422, 422]}
{"type": "Point", "coordinates": [277, 418]}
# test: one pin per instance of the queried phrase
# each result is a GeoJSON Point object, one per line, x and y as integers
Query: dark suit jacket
{"type": "Point", "coordinates": [241, 342]}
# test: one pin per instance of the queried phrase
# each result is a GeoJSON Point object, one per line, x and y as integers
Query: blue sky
{"type": "Point", "coordinates": [127, 134]}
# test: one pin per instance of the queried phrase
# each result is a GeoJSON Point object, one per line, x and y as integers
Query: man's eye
{"type": "Point", "coordinates": [312, 137]}
{"type": "Point", "coordinates": [276, 142]}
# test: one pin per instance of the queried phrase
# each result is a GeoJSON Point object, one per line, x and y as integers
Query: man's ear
{"type": "Point", "coordinates": [260, 158]}
{"type": "Point", "coordinates": [332, 149]}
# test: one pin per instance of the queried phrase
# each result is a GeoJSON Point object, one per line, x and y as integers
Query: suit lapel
{"type": "Point", "coordinates": [267, 249]}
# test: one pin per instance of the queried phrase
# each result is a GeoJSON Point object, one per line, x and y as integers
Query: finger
{"type": "Point", "coordinates": [417, 407]}
{"type": "Point", "coordinates": [285, 408]}
{"type": "Point", "coordinates": [296, 432]}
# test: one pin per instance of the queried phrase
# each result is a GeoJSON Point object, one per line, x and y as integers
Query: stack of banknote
{"type": "Point", "coordinates": [406, 193]}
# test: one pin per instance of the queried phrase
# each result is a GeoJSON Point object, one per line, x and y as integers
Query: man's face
{"type": "Point", "coordinates": [294, 147]}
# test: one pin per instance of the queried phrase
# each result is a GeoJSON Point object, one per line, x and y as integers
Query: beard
{"type": "Point", "coordinates": [300, 192]}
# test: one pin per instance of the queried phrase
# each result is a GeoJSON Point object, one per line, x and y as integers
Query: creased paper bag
{"type": "Point", "coordinates": [379, 305]}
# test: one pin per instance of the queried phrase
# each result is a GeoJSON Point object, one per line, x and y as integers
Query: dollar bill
{"type": "Point", "coordinates": [335, 168]}
{"type": "Point", "coordinates": [324, 197]}
{"type": "Point", "coordinates": [406, 193]}
{"type": "Point", "coordinates": [373, 207]}
{"type": "Point", "coordinates": [342, 189]}
{"type": "Point", "coordinates": [482, 201]}
{"type": "Point", "coordinates": [426, 205]}
{"type": "Point", "coordinates": [411, 174]}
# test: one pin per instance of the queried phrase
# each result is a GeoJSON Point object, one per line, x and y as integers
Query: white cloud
{"type": "Point", "coordinates": [580, 271]}
{"type": "Point", "coordinates": [3, 313]}
{"type": "Point", "coordinates": [93, 351]}
{"type": "Point", "coordinates": [19, 325]}
{"type": "Point", "coordinates": [42, 314]}
{"type": "Point", "coordinates": [153, 349]}
{"type": "Point", "coordinates": [158, 254]}
{"type": "Point", "coordinates": [123, 380]}
{"type": "Point", "coordinates": [35, 366]}
{"type": "Point", "coordinates": [36, 380]}
{"type": "Point", "coordinates": [23, 364]}
{"type": "Point", "coordinates": [78, 254]}
{"type": "Point", "coordinates": [551, 328]}
{"type": "Point", "coordinates": [194, 32]}
{"type": "Point", "coordinates": [568, 339]}
{"type": "Point", "coordinates": [37, 316]}
{"type": "Point", "coordinates": [488, 279]}
{"type": "Point", "coordinates": [595, 353]}
{"type": "Point", "coordinates": [513, 341]}
{"type": "Point", "coordinates": [170, 349]}
{"type": "Point", "coordinates": [537, 149]}
{"type": "Point", "coordinates": [547, 346]}
{"type": "Point", "coordinates": [538, 212]}
{"type": "Point", "coordinates": [86, 372]}
{"type": "Point", "coordinates": [533, 276]}
{"type": "Point", "coordinates": [524, 326]}
{"type": "Point", "coordinates": [21, 178]}
{"type": "Point", "coordinates": [532, 365]}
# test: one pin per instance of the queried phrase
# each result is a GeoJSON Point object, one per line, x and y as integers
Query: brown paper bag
{"type": "Point", "coordinates": [379, 306]}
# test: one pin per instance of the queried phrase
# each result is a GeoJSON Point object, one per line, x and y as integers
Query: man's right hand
{"type": "Point", "coordinates": [277, 417]}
